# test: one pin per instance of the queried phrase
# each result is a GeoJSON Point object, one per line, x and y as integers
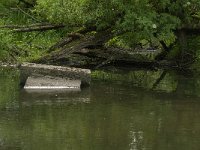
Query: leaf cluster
{"type": "Point", "coordinates": [131, 21]}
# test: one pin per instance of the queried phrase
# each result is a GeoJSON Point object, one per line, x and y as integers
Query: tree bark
{"type": "Point", "coordinates": [71, 37]}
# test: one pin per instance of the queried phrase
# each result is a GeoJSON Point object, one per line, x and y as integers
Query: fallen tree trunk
{"type": "Point", "coordinates": [87, 42]}
{"type": "Point", "coordinates": [94, 55]}
{"type": "Point", "coordinates": [65, 41]}
{"type": "Point", "coordinates": [90, 51]}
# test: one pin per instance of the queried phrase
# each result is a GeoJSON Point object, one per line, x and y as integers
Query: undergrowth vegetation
{"type": "Point", "coordinates": [22, 46]}
{"type": "Point", "coordinates": [147, 23]}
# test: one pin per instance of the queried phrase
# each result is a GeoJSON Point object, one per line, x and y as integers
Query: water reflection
{"type": "Point", "coordinates": [9, 88]}
{"type": "Point", "coordinates": [54, 97]}
{"type": "Point", "coordinates": [115, 115]}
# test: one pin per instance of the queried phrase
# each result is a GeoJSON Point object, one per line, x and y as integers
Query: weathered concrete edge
{"type": "Point", "coordinates": [50, 83]}
{"type": "Point", "coordinates": [28, 69]}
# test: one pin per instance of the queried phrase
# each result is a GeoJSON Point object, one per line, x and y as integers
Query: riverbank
{"type": "Point", "coordinates": [30, 37]}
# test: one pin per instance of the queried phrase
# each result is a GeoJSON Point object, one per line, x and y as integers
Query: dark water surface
{"type": "Point", "coordinates": [136, 110]}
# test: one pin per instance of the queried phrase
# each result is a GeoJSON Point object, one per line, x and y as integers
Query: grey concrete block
{"type": "Point", "coordinates": [29, 69]}
{"type": "Point", "coordinates": [48, 82]}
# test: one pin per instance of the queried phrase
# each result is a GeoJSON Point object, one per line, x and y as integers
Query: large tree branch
{"type": "Point", "coordinates": [31, 28]}
{"type": "Point", "coordinates": [66, 40]}
{"type": "Point", "coordinates": [39, 28]}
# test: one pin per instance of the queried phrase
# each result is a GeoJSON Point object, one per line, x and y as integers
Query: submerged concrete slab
{"type": "Point", "coordinates": [32, 69]}
{"type": "Point", "coordinates": [48, 82]}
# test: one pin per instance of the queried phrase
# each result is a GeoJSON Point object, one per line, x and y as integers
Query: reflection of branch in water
{"type": "Point", "coordinates": [159, 79]}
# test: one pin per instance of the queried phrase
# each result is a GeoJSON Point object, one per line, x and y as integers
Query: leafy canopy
{"type": "Point", "coordinates": [131, 21]}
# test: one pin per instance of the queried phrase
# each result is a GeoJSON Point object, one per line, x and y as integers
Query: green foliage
{"type": "Point", "coordinates": [194, 45]}
{"type": "Point", "coordinates": [67, 12]}
{"type": "Point", "coordinates": [22, 46]}
{"type": "Point", "coordinates": [31, 46]}
{"type": "Point", "coordinates": [131, 21]}
{"type": "Point", "coordinates": [7, 3]}
{"type": "Point", "coordinates": [4, 44]}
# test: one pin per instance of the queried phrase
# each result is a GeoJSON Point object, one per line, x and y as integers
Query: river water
{"type": "Point", "coordinates": [122, 110]}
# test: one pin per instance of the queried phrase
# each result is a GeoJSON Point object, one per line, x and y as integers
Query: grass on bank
{"type": "Point", "coordinates": [23, 46]}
